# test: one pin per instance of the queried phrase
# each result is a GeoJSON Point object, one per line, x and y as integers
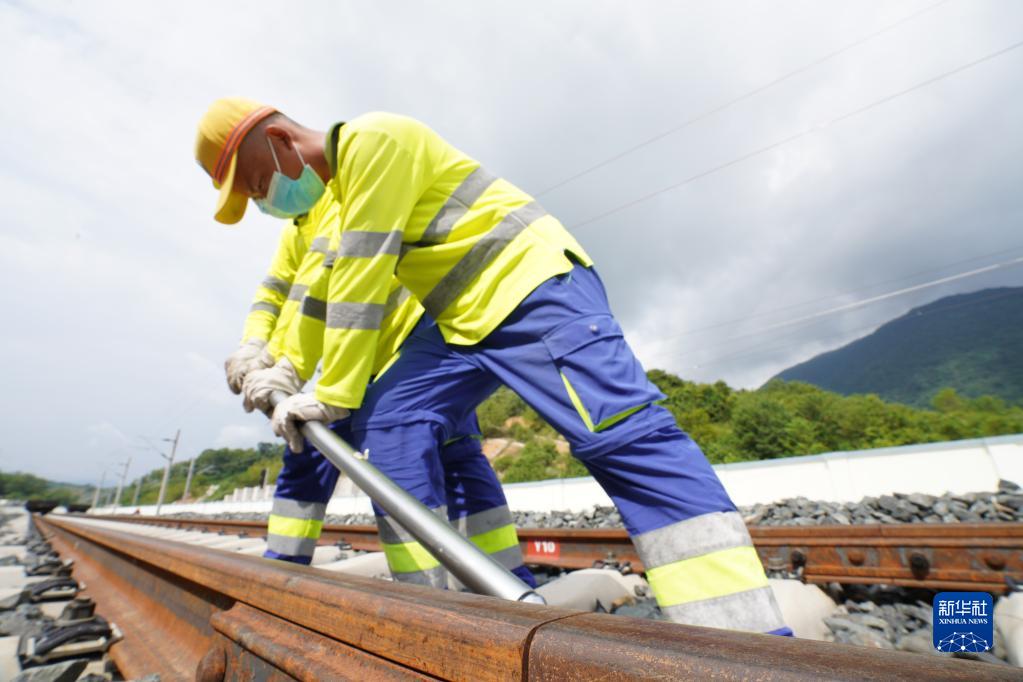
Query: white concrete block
{"type": "Point", "coordinates": [804, 607]}
{"type": "Point", "coordinates": [1009, 626]}
{"type": "Point", "coordinates": [240, 544]}
{"type": "Point", "coordinates": [1008, 460]}
{"type": "Point", "coordinates": [370, 565]}
{"type": "Point", "coordinates": [16, 551]}
{"type": "Point", "coordinates": [326, 554]}
{"type": "Point", "coordinates": [9, 667]}
{"type": "Point", "coordinates": [254, 550]}
{"type": "Point", "coordinates": [586, 588]}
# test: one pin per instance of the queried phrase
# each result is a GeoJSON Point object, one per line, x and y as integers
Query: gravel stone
{"type": "Point", "coordinates": [1005, 504]}
{"type": "Point", "coordinates": [918, 643]}
{"type": "Point", "coordinates": [847, 631]}
{"type": "Point", "coordinates": [25, 619]}
{"type": "Point", "coordinates": [921, 500]}
{"type": "Point", "coordinates": [66, 671]}
{"type": "Point", "coordinates": [642, 608]}
{"type": "Point", "coordinates": [1007, 486]}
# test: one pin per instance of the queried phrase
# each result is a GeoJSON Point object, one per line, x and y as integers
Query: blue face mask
{"type": "Point", "coordinates": [287, 197]}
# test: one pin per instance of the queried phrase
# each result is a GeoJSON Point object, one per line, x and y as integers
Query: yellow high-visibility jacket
{"type": "Point", "coordinates": [318, 225]}
{"type": "Point", "coordinates": [298, 332]}
{"type": "Point", "coordinates": [270, 302]}
{"type": "Point", "coordinates": [301, 341]}
{"type": "Point", "coordinates": [468, 245]}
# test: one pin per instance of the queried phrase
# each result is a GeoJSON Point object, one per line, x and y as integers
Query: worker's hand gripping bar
{"type": "Point", "coordinates": [476, 569]}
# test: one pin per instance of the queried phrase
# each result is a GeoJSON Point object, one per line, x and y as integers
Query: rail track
{"type": "Point", "coordinates": [964, 556]}
{"type": "Point", "coordinates": [193, 612]}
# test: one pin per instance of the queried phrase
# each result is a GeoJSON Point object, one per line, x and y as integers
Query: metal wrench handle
{"type": "Point", "coordinates": [476, 569]}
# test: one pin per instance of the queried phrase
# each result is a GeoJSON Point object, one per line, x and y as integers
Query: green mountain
{"type": "Point", "coordinates": [970, 342]}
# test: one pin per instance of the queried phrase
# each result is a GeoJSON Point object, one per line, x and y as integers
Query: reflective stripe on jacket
{"type": "Point", "coordinates": [469, 246]}
{"type": "Point", "coordinates": [300, 327]}
{"type": "Point", "coordinates": [302, 341]}
{"type": "Point", "coordinates": [272, 293]}
{"type": "Point", "coordinates": [310, 247]}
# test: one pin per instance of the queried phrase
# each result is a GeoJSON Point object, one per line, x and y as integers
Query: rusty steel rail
{"type": "Point", "coordinates": [211, 615]}
{"type": "Point", "coordinates": [958, 556]}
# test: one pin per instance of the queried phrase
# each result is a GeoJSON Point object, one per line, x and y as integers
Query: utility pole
{"type": "Point", "coordinates": [95, 495]}
{"type": "Point", "coordinates": [138, 488]}
{"type": "Point", "coordinates": [120, 484]}
{"type": "Point", "coordinates": [188, 479]}
{"type": "Point", "coordinates": [166, 470]}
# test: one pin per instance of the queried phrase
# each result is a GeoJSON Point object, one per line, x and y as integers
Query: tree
{"type": "Point", "coordinates": [947, 400]}
{"type": "Point", "coordinates": [536, 462]}
{"type": "Point", "coordinates": [760, 427]}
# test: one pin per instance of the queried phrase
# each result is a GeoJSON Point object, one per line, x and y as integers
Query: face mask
{"type": "Point", "coordinates": [288, 198]}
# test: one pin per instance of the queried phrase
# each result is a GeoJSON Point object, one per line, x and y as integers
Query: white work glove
{"type": "Point", "coordinates": [302, 407]}
{"type": "Point", "coordinates": [251, 355]}
{"type": "Point", "coordinates": [258, 385]}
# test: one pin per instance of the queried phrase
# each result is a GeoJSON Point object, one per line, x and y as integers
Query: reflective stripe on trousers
{"type": "Point", "coordinates": [294, 527]}
{"type": "Point", "coordinates": [492, 531]}
{"type": "Point", "coordinates": [705, 571]}
{"type": "Point", "coordinates": [408, 560]}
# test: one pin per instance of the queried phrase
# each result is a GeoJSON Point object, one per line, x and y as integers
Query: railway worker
{"type": "Point", "coordinates": [474, 500]}
{"type": "Point", "coordinates": [512, 298]}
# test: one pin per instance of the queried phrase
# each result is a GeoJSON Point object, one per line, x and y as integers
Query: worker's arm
{"type": "Point", "coordinates": [263, 314]}
{"type": "Point", "coordinates": [273, 290]}
{"type": "Point", "coordinates": [302, 340]}
{"type": "Point", "coordinates": [311, 245]}
{"type": "Point", "coordinates": [379, 182]}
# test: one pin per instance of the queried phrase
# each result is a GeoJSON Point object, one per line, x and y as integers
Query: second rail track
{"type": "Point", "coordinates": [961, 556]}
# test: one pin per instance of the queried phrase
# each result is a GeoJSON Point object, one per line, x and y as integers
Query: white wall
{"type": "Point", "coordinates": [933, 468]}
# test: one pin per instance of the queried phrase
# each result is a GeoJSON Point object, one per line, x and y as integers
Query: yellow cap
{"type": "Point", "coordinates": [221, 130]}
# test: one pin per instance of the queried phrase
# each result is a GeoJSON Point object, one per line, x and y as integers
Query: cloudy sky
{"type": "Point", "coordinates": [841, 182]}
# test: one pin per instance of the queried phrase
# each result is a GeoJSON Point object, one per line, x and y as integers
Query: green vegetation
{"type": "Point", "coordinates": [781, 419]}
{"type": "Point", "coordinates": [19, 486]}
{"type": "Point", "coordinates": [538, 461]}
{"type": "Point", "coordinates": [225, 468]}
{"type": "Point", "coordinates": [970, 342]}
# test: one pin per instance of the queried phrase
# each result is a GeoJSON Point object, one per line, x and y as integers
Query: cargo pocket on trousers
{"type": "Point", "coordinates": [602, 377]}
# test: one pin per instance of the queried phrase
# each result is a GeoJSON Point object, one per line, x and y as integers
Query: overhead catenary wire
{"type": "Point", "coordinates": [797, 136]}
{"type": "Point", "coordinates": [773, 311]}
{"type": "Point", "coordinates": [865, 302]}
{"type": "Point", "coordinates": [185, 409]}
{"type": "Point", "coordinates": [743, 97]}
{"type": "Point", "coordinates": [751, 351]}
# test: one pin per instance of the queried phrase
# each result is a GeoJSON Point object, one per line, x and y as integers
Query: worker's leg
{"type": "Point", "coordinates": [564, 353]}
{"type": "Point", "coordinates": [409, 455]}
{"type": "Point", "coordinates": [699, 558]}
{"type": "Point", "coordinates": [407, 414]}
{"type": "Point", "coordinates": [304, 487]}
{"type": "Point", "coordinates": [476, 503]}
